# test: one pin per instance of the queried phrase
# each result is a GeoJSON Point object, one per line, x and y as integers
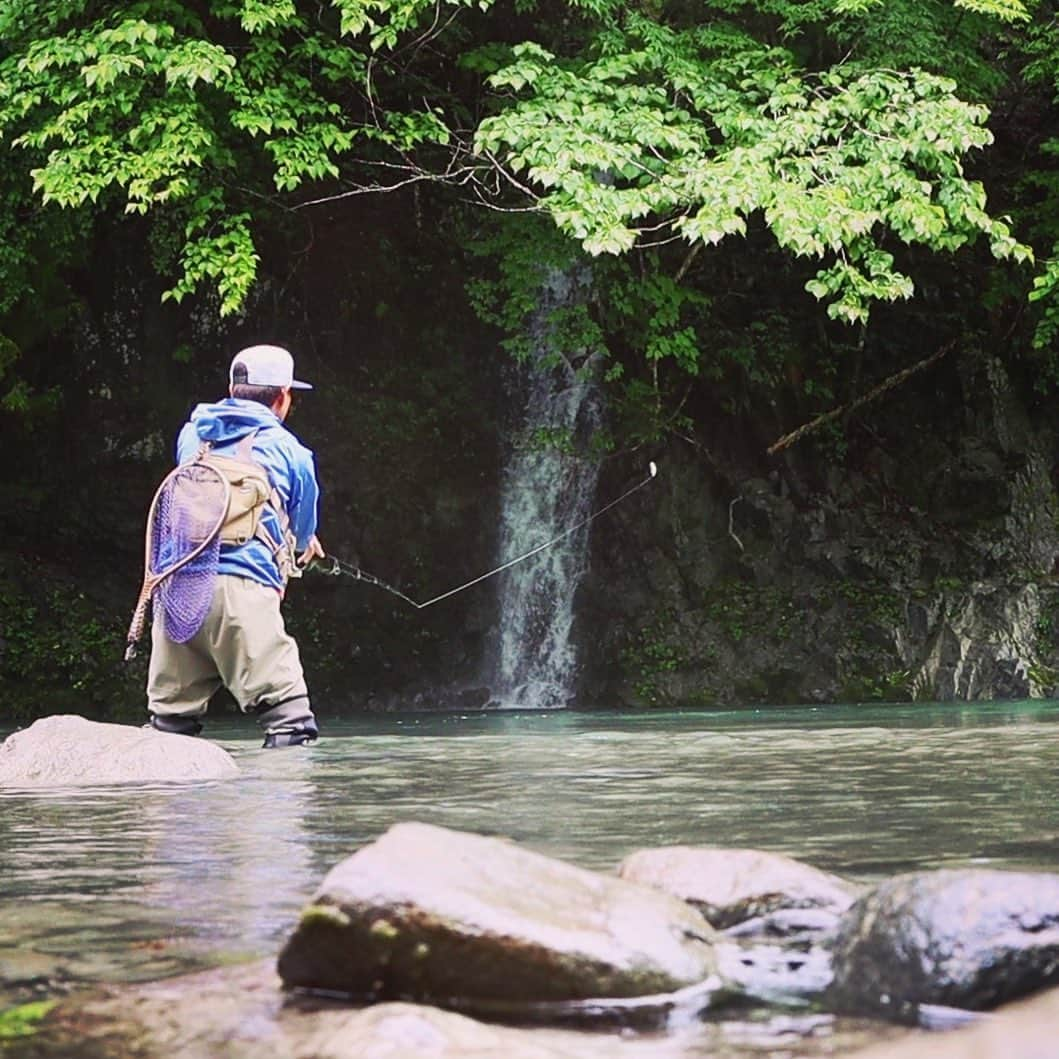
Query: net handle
{"type": "Point", "coordinates": [151, 579]}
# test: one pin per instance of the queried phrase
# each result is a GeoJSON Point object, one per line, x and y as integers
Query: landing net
{"type": "Point", "coordinates": [190, 507]}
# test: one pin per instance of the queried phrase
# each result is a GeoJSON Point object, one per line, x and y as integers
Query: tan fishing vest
{"type": "Point", "coordinates": [249, 491]}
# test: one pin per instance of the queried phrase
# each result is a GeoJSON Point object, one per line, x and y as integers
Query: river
{"type": "Point", "coordinates": [118, 884]}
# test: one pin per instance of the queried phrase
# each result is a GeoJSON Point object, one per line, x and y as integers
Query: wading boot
{"type": "Point", "coordinates": [174, 725]}
{"type": "Point", "coordinates": [289, 723]}
{"type": "Point", "coordinates": [306, 733]}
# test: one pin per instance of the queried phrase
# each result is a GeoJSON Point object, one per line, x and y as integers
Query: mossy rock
{"type": "Point", "coordinates": [21, 1022]}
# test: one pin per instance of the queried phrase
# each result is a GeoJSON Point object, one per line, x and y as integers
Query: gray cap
{"type": "Point", "coordinates": [268, 366]}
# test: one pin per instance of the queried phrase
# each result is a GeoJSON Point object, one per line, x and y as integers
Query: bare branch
{"type": "Point", "coordinates": [659, 242]}
{"type": "Point", "coordinates": [731, 523]}
{"type": "Point", "coordinates": [518, 185]}
{"type": "Point", "coordinates": [886, 385]}
{"type": "Point", "coordinates": [457, 176]}
{"type": "Point", "coordinates": [686, 263]}
{"type": "Point", "coordinates": [482, 201]}
{"type": "Point", "coordinates": [366, 189]}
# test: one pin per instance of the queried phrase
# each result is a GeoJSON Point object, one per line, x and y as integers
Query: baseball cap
{"type": "Point", "coordinates": [268, 366]}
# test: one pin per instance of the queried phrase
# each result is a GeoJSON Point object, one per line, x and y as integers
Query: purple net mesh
{"type": "Point", "coordinates": [189, 509]}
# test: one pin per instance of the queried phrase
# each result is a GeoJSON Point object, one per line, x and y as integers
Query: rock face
{"type": "Point", "coordinates": [979, 642]}
{"type": "Point", "coordinates": [963, 938]}
{"type": "Point", "coordinates": [920, 565]}
{"type": "Point", "coordinates": [65, 751]}
{"type": "Point", "coordinates": [429, 913]}
{"type": "Point", "coordinates": [731, 886]}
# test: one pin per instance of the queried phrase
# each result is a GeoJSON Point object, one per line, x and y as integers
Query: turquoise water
{"type": "Point", "coordinates": [109, 884]}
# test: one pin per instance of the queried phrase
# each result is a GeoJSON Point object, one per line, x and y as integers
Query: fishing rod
{"type": "Point", "coordinates": [332, 565]}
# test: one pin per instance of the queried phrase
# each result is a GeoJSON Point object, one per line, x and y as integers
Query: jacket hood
{"type": "Point", "coordinates": [231, 419]}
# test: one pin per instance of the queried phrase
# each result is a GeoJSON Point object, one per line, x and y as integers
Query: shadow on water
{"type": "Point", "coordinates": [111, 884]}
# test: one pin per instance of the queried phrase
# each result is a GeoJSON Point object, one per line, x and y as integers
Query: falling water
{"type": "Point", "coordinates": [549, 484]}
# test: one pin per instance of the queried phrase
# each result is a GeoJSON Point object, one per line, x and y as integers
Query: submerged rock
{"type": "Point", "coordinates": [731, 886]}
{"type": "Point", "coordinates": [971, 938]}
{"type": "Point", "coordinates": [428, 913]}
{"type": "Point", "coordinates": [66, 751]}
{"type": "Point", "coordinates": [400, 1031]}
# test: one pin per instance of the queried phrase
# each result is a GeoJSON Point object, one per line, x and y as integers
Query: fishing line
{"type": "Point", "coordinates": [338, 566]}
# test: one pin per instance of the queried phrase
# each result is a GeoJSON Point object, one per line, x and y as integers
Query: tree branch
{"type": "Point", "coordinates": [886, 385]}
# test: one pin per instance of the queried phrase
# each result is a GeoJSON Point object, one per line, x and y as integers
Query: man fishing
{"type": "Point", "coordinates": [237, 637]}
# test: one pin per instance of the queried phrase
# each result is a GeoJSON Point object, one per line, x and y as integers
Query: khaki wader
{"type": "Point", "coordinates": [242, 645]}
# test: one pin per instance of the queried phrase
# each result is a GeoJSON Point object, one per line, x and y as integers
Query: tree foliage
{"type": "Point", "coordinates": [854, 133]}
{"type": "Point", "coordinates": [208, 111]}
{"type": "Point", "coordinates": [693, 133]}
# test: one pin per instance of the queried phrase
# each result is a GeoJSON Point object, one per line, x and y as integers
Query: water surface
{"type": "Point", "coordinates": [110, 884]}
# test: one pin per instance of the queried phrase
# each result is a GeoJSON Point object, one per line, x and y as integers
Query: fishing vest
{"type": "Point", "coordinates": [250, 490]}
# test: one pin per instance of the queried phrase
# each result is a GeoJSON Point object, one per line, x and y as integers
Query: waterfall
{"type": "Point", "coordinates": [549, 484]}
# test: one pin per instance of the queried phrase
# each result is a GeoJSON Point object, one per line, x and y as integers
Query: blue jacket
{"type": "Point", "coordinates": [290, 466]}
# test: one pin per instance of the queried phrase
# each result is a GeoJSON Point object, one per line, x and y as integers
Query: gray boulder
{"type": "Point", "coordinates": [69, 751]}
{"type": "Point", "coordinates": [428, 913]}
{"type": "Point", "coordinates": [732, 886]}
{"type": "Point", "coordinates": [971, 938]}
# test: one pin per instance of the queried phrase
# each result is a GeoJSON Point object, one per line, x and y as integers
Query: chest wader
{"type": "Point", "coordinates": [289, 722]}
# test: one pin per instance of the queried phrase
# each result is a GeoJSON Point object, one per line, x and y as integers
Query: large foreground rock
{"type": "Point", "coordinates": [731, 886]}
{"type": "Point", "coordinates": [65, 751]}
{"type": "Point", "coordinates": [971, 938]}
{"type": "Point", "coordinates": [428, 913]}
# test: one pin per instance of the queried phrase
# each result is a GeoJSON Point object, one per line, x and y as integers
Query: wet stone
{"type": "Point", "coordinates": [968, 938]}
{"type": "Point", "coordinates": [71, 751]}
{"type": "Point", "coordinates": [428, 913]}
{"type": "Point", "coordinates": [731, 886]}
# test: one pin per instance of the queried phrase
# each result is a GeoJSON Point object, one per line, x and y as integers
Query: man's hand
{"type": "Point", "coordinates": [315, 550]}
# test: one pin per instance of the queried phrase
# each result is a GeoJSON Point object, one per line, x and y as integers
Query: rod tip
{"type": "Point", "coordinates": [653, 468]}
